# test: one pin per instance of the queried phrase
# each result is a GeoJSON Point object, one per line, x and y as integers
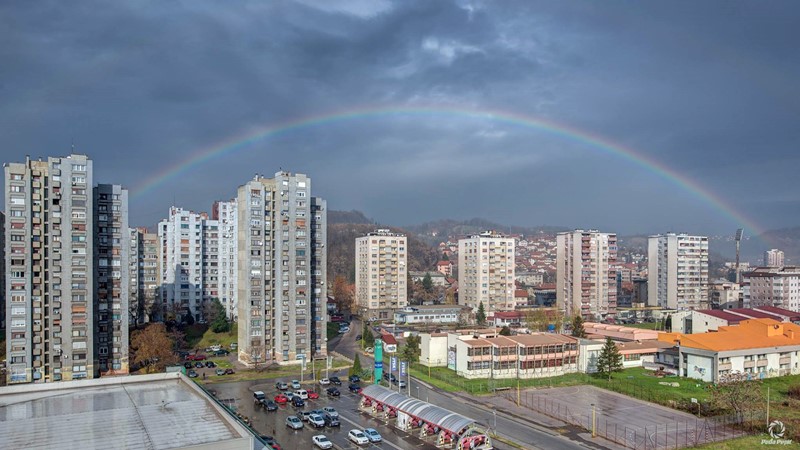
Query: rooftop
{"type": "Point", "coordinates": [724, 315]}
{"type": "Point", "coordinates": [792, 315]}
{"type": "Point", "coordinates": [750, 333]}
{"type": "Point", "coordinates": [159, 411]}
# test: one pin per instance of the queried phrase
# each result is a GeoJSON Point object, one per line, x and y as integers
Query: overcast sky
{"type": "Point", "coordinates": [708, 89]}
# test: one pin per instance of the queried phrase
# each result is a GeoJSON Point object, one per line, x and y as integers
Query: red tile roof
{"type": "Point", "coordinates": [792, 315]}
{"type": "Point", "coordinates": [719, 314]}
{"type": "Point", "coordinates": [388, 339]}
{"type": "Point", "coordinates": [751, 313]}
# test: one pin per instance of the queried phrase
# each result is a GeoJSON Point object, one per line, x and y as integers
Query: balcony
{"type": "Point", "coordinates": [761, 363]}
{"type": "Point", "coordinates": [749, 364]}
{"type": "Point", "coordinates": [785, 360]}
{"type": "Point", "coordinates": [724, 366]}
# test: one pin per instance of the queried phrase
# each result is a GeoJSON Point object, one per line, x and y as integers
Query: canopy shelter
{"type": "Point", "coordinates": [439, 417]}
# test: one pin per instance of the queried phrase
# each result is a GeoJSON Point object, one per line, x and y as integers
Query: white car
{"type": "Point", "coordinates": [358, 437]}
{"type": "Point", "coordinates": [322, 442]}
{"type": "Point", "coordinates": [370, 349]}
{"type": "Point", "coordinates": [295, 384]}
{"type": "Point", "coordinates": [302, 393]}
{"type": "Point", "coordinates": [372, 435]}
{"type": "Point", "coordinates": [331, 411]}
{"type": "Point", "coordinates": [294, 423]}
{"type": "Point", "coordinates": [324, 381]}
{"type": "Point", "coordinates": [316, 420]}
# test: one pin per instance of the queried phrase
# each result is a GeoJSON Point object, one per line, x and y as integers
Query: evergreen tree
{"type": "Point", "coordinates": [610, 360]}
{"type": "Point", "coordinates": [356, 369]}
{"type": "Point", "coordinates": [480, 316]}
{"type": "Point", "coordinates": [411, 350]}
{"type": "Point", "coordinates": [505, 331]}
{"type": "Point", "coordinates": [427, 282]}
{"type": "Point", "coordinates": [367, 336]}
{"type": "Point", "coordinates": [445, 257]}
{"type": "Point", "coordinates": [668, 323]}
{"type": "Point", "coordinates": [577, 327]}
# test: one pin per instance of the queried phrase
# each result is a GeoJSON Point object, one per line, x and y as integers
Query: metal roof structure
{"type": "Point", "coordinates": [442, 418]}
{"type": "Point", "coordinates": [154, 412]}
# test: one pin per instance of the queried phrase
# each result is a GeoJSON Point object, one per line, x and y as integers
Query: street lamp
{"type": "Point", "coordinates": [594, 421]}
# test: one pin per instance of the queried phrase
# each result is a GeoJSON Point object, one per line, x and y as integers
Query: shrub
{"type": "Point", "coordinates": [794, 392]}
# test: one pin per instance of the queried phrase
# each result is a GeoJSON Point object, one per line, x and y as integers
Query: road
{"type": "Point", "coordinates": [527, 433]}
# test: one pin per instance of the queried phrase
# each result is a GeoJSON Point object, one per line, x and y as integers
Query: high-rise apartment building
{"type": "Point", "coordinates": [2, 270]}
{"type": "Point", "coordinates": [145, 280]}
{"type": "Point", "coordinates": [381, 274]}
{"type": "Point", "coordinates": [49, 262]}
{"type": "Point", "coordinates": [111, 279]}
{"type": "Point", "coordinates": [225, 214]}
{"type": "Point", "coordinates": [486, 272]}
{"type": "Point", "coordinates": [586, 278]}
{"type": "Point", "coordinates": [188, 260]}
{"type": "Point", "coordinates": [773, 258]}
{"type": "Point", "coordinates": [281, 270]}
{"type": "Point", "coordinates": [678, 271]}
{"type": "Point", "coordinates": [772, 286]}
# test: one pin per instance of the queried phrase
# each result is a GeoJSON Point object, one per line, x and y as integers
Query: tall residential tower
{"type": "Point", "coordinates": [586, 277]}
{"type": "Point", "coordinates": [678, 271]}
{"type": "Point", "coordinates": [381, 274]}
{"type": "Point", "coordinates": [486, 272]}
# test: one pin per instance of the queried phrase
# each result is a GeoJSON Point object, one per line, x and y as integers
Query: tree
{"type": "Point", "coordinates": [668, 323]}
{"type": "Point", "coordinates": [411, 350]}
{"type": "Point", "coordinates": [342, 294]}
{"type": "Point", "coordinates": [217, 318]}
{"type": "Point", "coordinates": [480, 316]}
{"type": "Point", "coordinates": [367, 336]}
{"type": "Point", "coordinates": [445, 257]}
{"type": "Point", "coordinates": [152, 348]}
{"type": "Point", "coordinates": [356, 369]}
{"type": "Point", "coordinates": [577, 327]}
{"type": "Point", "coordinates": [610, 360]}
{"type": "Point", "coordinates": [536, 320]}
{"type": "Point", "coordinates": [427, 282]}
{"type": "Point", "coordinates": [505, 331]}
{"type": "Point", "coordinates": [738, 395]}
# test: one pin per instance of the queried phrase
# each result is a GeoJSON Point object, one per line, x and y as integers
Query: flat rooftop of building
{"type": "Point", "coordinates": [159, 411]}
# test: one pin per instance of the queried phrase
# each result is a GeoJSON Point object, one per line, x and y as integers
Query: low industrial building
{"type": "Point", "coordinates": [159, 411]}
{"type": "Point", "coordinates": [755, 348]}
{"type": "Point", "coordinates": [431, 314]}
{"type": "Point", "coordinates": [705, 320]}
{"type": "Point", "coordinates": [618, 333]}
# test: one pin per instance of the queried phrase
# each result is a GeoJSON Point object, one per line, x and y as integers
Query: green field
{"type": "Point", "coordinates": [199, 336]}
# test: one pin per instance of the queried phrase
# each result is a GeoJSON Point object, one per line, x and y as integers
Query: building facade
{"type": "Point", "coordinates": [678, 271]}
{"type": "Point", "coordinates": [772, 286]}
{"type": "Point", "coordinates": [145, 282]}
{"type": "Point", "coordinates": [2, 270]}
{"type": "Point", "coordinates": [112, 276]}
{"type": "Point", "coordinates": [50, 269]}
{"type": "Point", "coordinates": [773, 258]}
{"type": "Point", "coordinates": [586, 280]}
{"type": "Point", "coordinates": [724, 294]}
{"type": "Point", "coordinates": [486, 272]}
{"type": "Point", "coordinates": [186, 255]}
{"type": "Point", "coordinates": [281, 270]}
{"type": "Point", "coordinates": [225, 214]}
{"type": "Point", "coordinates": [381, 264]}
{"type": "Point", "coordinates": [434, 314]}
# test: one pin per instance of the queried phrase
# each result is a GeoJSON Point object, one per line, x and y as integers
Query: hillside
{"type": "Point", "coordinates": [342, 240]}
{"type": "Point", "coordinates": [437, 231]}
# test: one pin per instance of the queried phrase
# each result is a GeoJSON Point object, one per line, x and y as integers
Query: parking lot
{"type": "Point", "coordinates": [240, 395]}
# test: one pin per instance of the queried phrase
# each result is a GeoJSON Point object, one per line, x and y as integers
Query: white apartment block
{"type": "Point", "coordinates": [381, 263]}
{"type": "Point", "coordinates": [678, 271]}
{"type": "Point", "coordinates": [772, 286]}
{"type": "Point", "coordinates": [65, 312]}
{"type": "Point", "coordinates": [145, 275]}
{"type": "Point", "coordinates": [773, 258]}
{"type": "Point", "coordinates": [112, 279]}
{"type": "Point", "coordinates": [135, 302]}
{"type": "Point", "coordinates": [281, 270]}
{"type": "Point", "coordinates": [225, 214]}
{"type": "Point", "coordinates": [486, 272]}
{"type": "Point", "coordinates": [586, 278]}
{"type": "Point", "coordinates": [187, 262]}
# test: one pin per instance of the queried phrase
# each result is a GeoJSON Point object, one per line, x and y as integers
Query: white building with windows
{"type": "Point", "coordinates": [678, 271]}
{"type": "Point", "coordinates": [772, 286]}
{"type": "Point", "coordinates": [586, 274]}
{"type": "Point", "coordinates": [486, 272]}
{"type": "Point", "coordinates": [226, 216]}
{"type": "Point", "coordinates": [381, 264]}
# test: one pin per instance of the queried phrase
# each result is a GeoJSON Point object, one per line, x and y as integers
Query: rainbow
{"type": "Point", "coordinates": [588, 139]}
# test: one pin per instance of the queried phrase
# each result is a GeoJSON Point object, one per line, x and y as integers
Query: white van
{"type": "Point", "coordinates": [302, 393]}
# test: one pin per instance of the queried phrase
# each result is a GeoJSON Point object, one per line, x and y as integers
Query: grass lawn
{"type": "Point", "coordinates": [201, 337]}
{"type": "Point", "coordinates": [333, 330]}
{"type": "Point", "coordinates": [278, 372]}
{"type": "Point", "coordinates": [744, 443]}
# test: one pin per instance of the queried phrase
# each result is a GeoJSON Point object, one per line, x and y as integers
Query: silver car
{"type": "Point", "coordinates": [294, 423]}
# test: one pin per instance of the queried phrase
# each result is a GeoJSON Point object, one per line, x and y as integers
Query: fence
{"type": "Point", "coordinates": [656, 436]}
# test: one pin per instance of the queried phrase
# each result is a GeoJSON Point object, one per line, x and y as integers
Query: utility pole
{"type": "Point", "coordinates": [767, 405]}
{"type": "Point", "coordinates": [594, 422]}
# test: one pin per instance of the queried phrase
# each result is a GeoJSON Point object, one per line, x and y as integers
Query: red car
{"type": "Point", "coordinates": [200, 357]}
{"type": "Point", "coordinates": [281, 399]}
{"type": "Point", "coordinates": [313, 395]}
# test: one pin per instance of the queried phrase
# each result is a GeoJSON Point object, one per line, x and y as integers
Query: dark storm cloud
{"type": "Point", "coordinates": [706, 88]}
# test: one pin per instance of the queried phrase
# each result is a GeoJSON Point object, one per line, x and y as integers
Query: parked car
{"type": "Point", "coordinates": [188, 365]}
{"type": "Point", "coordinates": [358, 337]}
{"type": "Point", "coordinates": [298, 402]}
{"type": "Point", "coordinates": [303, 415]}
{"type": "Point", "coordinates": [258, 397]}
{"type": "Point", "coordinates": [282, 386]}
{"type": "Point", "coordinates": [325, 381]}
{"type": "Point", "coordinates": [192, 374]}
{"type": "Point", "coordinates": [210, 364]}
{"type": "Point", "coordinates": [401, 384]}
{"type": "Point", "coordinates": [281, 399]}
{"type": "Point", "coordinates": [336, 381]}
{"type": "Point", "coordinates": [331, 421]}
{"type": "Point", "coordinates": [322, 442]}
{"type": "Point", "coordinates": [354, 388]}
{"type": "Point", "coordinates": [221, 352]}
{"type": "Point", "coordinates": [200, 357]}
{"type": "Point", "coordinates": [333, 392]}
{"type": "Point", "coordinates": [270, 405]}
{"type": "Point", "coordinates": [313, 395]}
{"type": "Point", "coordinates": [294, 423]}
{"type": "Point", "coordinates": [198, 364]}
{"type": "Point", "coordinates": [358, 437]}
{"type": "Point", "coordinates": [302, 393]}
{"type": "Point", "coordinates": [330, 410]}
{"type": "Point", "coordinates": [295, 384]}
{"type": "Point", "coordinates": [271, 442]}
{"type": "Point", "coordinates": [220, 372]}
{"type": "Point", "coordinates": [373, 435]}
{"type": "Point", "coordinates": [289, 395]}
{"type": "Point", "coordinates": [316, 420]}
{"type": "Point", "coordinates": [354, 379]}
{"type": "Point", "coordinates": [229, 372]}
{"type": "Point", "coordinates": [370, 349]}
